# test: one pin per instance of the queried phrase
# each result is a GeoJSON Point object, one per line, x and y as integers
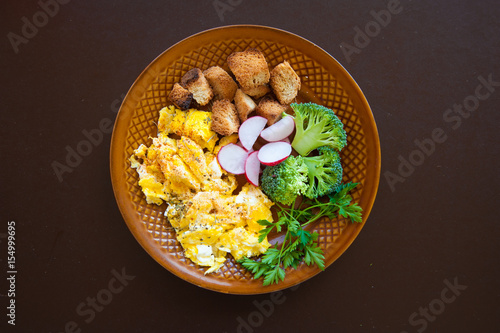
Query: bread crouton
{"type": "Point", "coordinates": [197, 84]}
{"type": "Point", "coordinates": [180, 96]}
{"type": "Point", "coordinates": [270, 109]}
{"type": "Point", "coordinates": [221, 82]}
{"type": "Point", "coordinates": [249, 67]}
{"type": "Point", "coordinates": [285, 83]}
{"type": "Point", "coordinates": [244, 104]}
{"type": "Point", "coordinates": [224, 117]}
{"type": "Point", "coordinates": [258, 91]}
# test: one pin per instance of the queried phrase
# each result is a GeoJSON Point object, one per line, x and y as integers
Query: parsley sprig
{"type": "Point", "coordinates": [300, 245]}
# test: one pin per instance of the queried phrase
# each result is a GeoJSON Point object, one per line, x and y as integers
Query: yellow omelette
{"type": "Point", "coordinates": [180, 168]}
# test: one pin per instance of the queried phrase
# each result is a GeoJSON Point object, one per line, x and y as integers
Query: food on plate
{"type": "Point", "coordinates": [253, 77]}
{"type": "Point", "coordinates": [258, 91]}
{"type": "Point", "coordinates": [321, 174]}
{"type": "Point", "coordinates": [225, 119]}
{"type": "Point", "coordinates": [180, 96]}
{"type": "Point", "coordinates": [244, 104]}
{"type": "Point", "coordinates": [232, 157]}
{"type": "Point", "coordinates": [280, 130]}
{"type": "Point", "coordinates": [250, 130]}
{"type": "Point", "coordinates": [197, 84]}
{"type": "Point", "coordinates": [314, 176]}
{"type": "Point", "coordinates": [273, 153]}
{"type": "Point", "coordinates": [180, 168]}
{"type": "Point", "coordinates": [299, 245]}
{"type": "Point", "coordinates": [316, 126]}
{"type": "Point", "coordinates": [225, 140]}
{"type": "Point", "coordinates": [221, 82]}
{"type": "Point", "coordinates": [324, 172]}
{"type": "Point", "coordinates": [252, 168]}
{"type": "Point", "coordinates": [173, 170]}
{"type": "Point", "coordinates": [285, 83]}
{"type": "Point", "coordinates": [270, 109]}
{"type": "Point", "coordinates": [250, 68]}
{"type": "Point", "coordinates": [192, 123]}
{"type": "Point", "coordinates": [210, 225]}
{"type": "Point", "coordinates": [285, 181]}
{"type": "Point", "coordinates": [193, 171]}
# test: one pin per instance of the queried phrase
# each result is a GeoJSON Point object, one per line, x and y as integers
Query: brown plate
{"type": "Point", "coordinates": [324, 81]}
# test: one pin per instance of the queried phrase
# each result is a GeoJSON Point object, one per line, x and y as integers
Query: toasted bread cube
{"type": "Point", "coordinates": [244, 104]}
{"type": "Point", "coordinates": [285, 83]}
{"type": "Point", "coordinates": [258, 91]}
{"type": "Point", "coordinates": [197, 84]}
{"type": "Point", "coordinates": [225, 117]}
{"type": "Point", "coordinates": [180, 96]}
{"type": "Point", "coordinates": [270, 109]}
{"type": "Point", "coordinates": [221, 82]}
{"type": "Point", "coordinates": [249, 67]}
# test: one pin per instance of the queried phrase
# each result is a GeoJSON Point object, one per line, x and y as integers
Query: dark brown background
{"type": "Point", "coordinates": [440, 224]}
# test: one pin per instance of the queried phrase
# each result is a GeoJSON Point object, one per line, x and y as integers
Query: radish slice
{"type": "Point", "coordinates": [250, 130]}
{"type": "Point", "coordinates": [274, 152]}
{"type": "Point", "coordinates": [280, 130]}
{"type": "Point", "coordinates": [232, 158]}
{"type": "Point", "coordinates": [252, 168]}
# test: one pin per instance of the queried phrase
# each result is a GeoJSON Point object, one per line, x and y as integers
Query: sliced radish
{"type": "Point", "coordinates": [252, 168]}
{"type": "Point", "coordinates": [232, 158]}
{"type": "Point", "coordinates": [250, 130]}
{"type": "Point", "coordinates": [274, 152]}
{"type": "Point", "coordinates": [280, 130]}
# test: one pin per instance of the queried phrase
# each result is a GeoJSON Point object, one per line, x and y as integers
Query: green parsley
{"type": "Point", "coordinates": [300, 245]}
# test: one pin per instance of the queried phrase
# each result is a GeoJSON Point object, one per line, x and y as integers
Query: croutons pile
{"type": "Point", "coordinates": [253, 89]}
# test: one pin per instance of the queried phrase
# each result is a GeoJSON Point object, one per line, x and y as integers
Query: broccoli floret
{"type": "Point", "coordinates": [285, 181]}
{"type": "Point", "coordinates": [324, 172]}
{"type": "Point", "coordinates": [316, 126]}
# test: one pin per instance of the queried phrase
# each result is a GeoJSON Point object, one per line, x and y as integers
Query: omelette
{"type": "Point", "coordinates": [180, 169]}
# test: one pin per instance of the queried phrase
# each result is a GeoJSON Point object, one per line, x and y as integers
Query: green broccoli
{"type": "Point", "coordinates": [285, 181]}
{"type": "Point", "coordinates": [316, 126]}
{"type": "Point", "coordinates": [312, 176]}
{"type": "Point", "coordinates": [324, 172]}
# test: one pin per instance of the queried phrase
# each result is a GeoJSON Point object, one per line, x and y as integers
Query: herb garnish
{"type": "Point", "coordinates": [300, 245]}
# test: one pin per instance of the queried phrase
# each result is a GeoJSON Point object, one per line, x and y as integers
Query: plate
{"type": "Point", "coordinates": [324, 81]}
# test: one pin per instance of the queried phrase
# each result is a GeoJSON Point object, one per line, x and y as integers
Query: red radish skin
{"type": "Point", "coordinates": [250, 130]}
{"type": "Point", "coordinates": [252, 168]}
{"type": "Point", "coordinates": [280, 130]}
{"type": "Point", "coordinates": [274, 152]}
{"type": "Point", "coordinates": [232, 158]}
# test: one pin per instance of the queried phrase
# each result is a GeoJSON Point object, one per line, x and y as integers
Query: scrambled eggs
{"type": "Point", "coordinates": [209, 219]}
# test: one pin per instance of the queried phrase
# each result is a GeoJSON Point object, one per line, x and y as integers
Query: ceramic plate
{"type": "Point", "coordinates": [324, 81]}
